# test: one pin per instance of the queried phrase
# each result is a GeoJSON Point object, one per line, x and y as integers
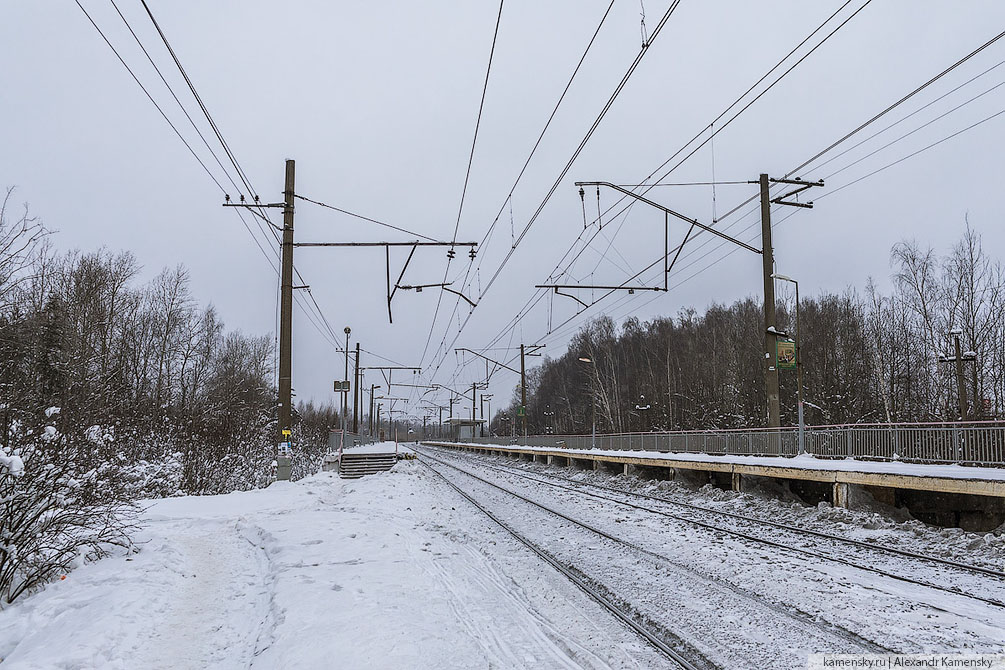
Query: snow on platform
{"type": "Point", "coordinates": [375, 448]}
{"type": "Point", "coordinates": [804, 461]}
{"type": "Point", "coordinates": [947, 478]}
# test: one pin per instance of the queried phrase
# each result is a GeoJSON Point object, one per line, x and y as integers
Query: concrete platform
{"type": "Point", "coordinates": [941, 494]}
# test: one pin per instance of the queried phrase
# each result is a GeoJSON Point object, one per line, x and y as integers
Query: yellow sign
{"type": "Point", "coordinates": [286, 433]}
{"type": "Point", "coordinates": [785, 354]}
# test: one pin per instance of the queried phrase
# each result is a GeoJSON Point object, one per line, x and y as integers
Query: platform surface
{"type": "Point", "coordinates": [897, 474]}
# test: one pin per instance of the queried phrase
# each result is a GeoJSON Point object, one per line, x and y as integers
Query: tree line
{"type": "Point", "coordinates": [113, 389]}
{"type": "Point", "coordinates": [867, 356]}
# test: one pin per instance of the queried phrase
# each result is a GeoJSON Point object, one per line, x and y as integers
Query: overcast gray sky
{"type": "Point", "coordinates": [377, 102]}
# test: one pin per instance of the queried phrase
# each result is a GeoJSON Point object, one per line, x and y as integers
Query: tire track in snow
{"type": "Point", "coordinates": [538, 633]}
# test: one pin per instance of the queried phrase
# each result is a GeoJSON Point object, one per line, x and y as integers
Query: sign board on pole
{"type": "Point", "coordinates": [785, 354]}
{"type": "Point", "coordinates": [341, 387]}
{"type": "Point", "coordinates": [521, 411]}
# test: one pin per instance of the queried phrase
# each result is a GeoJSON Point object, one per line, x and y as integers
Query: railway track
{"type": "Point", "coordinates": [584, 584]}
{"type": "Point", "coordinates": [800, 619]}
{"type": "Point", "coordinates": [857, 548]}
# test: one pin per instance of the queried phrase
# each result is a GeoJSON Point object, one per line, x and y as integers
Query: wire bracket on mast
{"type": "Point", "coordinates": [393, 288]}
{"type": "Point", "coordinates": [803, 185]}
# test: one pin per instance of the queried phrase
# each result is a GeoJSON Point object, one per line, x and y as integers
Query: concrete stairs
{"type": "Point", "coordinates": [353, 466]}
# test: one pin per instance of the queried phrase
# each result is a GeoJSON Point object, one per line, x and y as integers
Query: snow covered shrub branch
{"type": "Point", "coordinates": [58, 508]}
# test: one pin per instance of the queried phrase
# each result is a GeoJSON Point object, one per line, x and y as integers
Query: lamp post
{"type": "Point", "coordinates": [593, 389]}
{"type": "Point", "coordinates": [345, 396]}
{"type": "Point", "coordinates": [642, 406]}
{"type": "Point", "coordinates": [799, 367]}
{"type": "Point", "coordinates": [372, 388]}
{"type": "Point", "coordinates": [505, 418]}
{"type": "Point", "coordinates": [959, 358]}
{"type": "Point", "coordinates": [481, 407]}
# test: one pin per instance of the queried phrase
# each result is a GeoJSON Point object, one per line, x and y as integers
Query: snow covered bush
{"type": "Point", "coordinates": [58, 507]}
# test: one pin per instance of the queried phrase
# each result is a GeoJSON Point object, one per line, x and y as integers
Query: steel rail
{"type": "Point", "coordinates": [583, 585]}
{"type": "Point", "coordinates": [790, 612]}
{"type": "Point", "coordinates": [765, 541]}
{"type": "Point", "coordinates": [796, 529]}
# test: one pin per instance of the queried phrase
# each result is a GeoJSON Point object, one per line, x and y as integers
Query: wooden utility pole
{"type": "Point", "coordinates": [286, 326]}
{"type": "Point", "coordinates": [373, 387]}
{"type": "Point", "coordinates": [356, 393]}
{"type": "Point", "coordinates": [768, 265]}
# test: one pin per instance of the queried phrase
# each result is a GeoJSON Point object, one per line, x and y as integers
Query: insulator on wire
{"type": "Point", "coordinates": [472, 253]}
{"type": "Point", "coordinates": [242, 197]}
{"type": "Point", "coordinates": [226, 197]}
{"type": "Point", "coordinates": [451, 253]}
{"type": "Point", "coordinates": [256, 199]}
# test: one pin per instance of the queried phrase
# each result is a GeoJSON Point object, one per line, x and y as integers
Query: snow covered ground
{"type": "Point", "coordinates": [396, 570]}
{"type": "Point", "coordinates": [389, 571]}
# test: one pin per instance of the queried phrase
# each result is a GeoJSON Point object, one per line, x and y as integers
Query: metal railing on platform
{"type": "Point", "coordinates": [980, 444]}
{"type": "Point", "coordinates": [351, 439]}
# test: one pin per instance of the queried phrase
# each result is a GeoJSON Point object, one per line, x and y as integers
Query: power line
{"type": "Point", "coordinates": [233, 160]}
{"type": "Point", "coordinates": [478, 120]}
{"type": "Point", "coordinates": [467, 176]}
{"type": "Point", "coordinates": [526, 163]}
{"type": "Point", "coordinates": [556, 331]}
{"type": "Point", "coordinates": [171, 124]}
{"type": "Point", "coordinates": [589, 134]}
{"type": "Point", "coordinates": [914, 153]}
{"type": "Point", "coordinates": [198, 99]}
{"type": "Point", "coordinates": [364, 218]}
{"type": "Point", "coordinates": [173, 95]}
{"type": "Point", "coordinates": [150, 97]}
{"type": "Point", "coordinates": [191, 121]}
{"type": "Point", "coordinates": [582, 144]}
{"type": "Point", "coordinates": [536, 300]}
{"type": "Point", "coordinates": [551, 117]}
{"type": "Point", "coordinates": [883, 113]}
{"type": "Point", "coordinates": [866, 124]}
{"type": "Point", "coordinates": [831, 192]}
{"type": "Point", "coordinates": [896, 123]}
{"type": "Point", "coordinates": [898, 103]}
{"type": "Point", "coordinates": [269, 259]}
{"type": "Point", "coordinates": [721, 127]}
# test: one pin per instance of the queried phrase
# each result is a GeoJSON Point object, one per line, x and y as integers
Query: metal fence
{"type": "Point", "coordinates": [351, 439]}
{"type": "Point", "coordinates": [964, 444]}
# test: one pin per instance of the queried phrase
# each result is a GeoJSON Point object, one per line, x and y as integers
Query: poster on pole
{"type": "Point", "coordinates": [785, 355]}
